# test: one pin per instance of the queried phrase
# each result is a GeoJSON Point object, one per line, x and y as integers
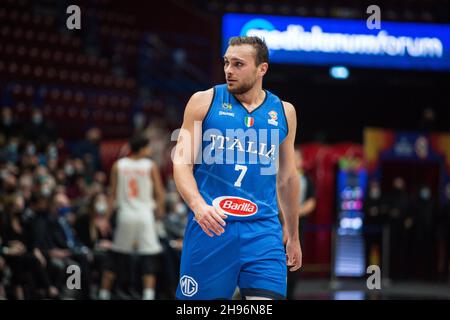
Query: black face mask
{"type": "Point", "coordinates": [10, 189]}
{"type": "Point", "coordinates": [41, 212]}
{"type": "Point", "coordinates": [17, 212]}
{"type": "Point", "coordinates": [398, 190]}
{"type": "Point", "coordinates": [31, 167]}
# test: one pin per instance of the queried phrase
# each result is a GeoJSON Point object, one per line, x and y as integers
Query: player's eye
{"type": "Point", "coordinates": [239, 64]}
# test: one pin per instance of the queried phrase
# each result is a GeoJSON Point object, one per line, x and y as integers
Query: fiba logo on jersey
{"type": "Point", "coordinates": [188, 285]}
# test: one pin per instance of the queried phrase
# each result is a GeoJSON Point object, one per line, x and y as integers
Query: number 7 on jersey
{"type": "Point", "coordinates": [241, 175]}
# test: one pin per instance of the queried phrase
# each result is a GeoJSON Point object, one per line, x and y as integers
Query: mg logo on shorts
{"type": "Point", "coordinates": [188, 285]}
{"type": "Point", "coordinates": [235, 206]}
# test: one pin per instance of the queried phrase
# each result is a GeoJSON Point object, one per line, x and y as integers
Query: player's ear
{"type": "Point", "coordinates": [263, 67]}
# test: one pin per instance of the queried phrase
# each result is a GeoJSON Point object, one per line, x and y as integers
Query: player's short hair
{"type": "Point", "coordinates": [262, 52]}
{"type": "Point", "coordinates": [138, 142]}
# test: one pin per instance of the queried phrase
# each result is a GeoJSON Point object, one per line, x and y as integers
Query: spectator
{"type": "Point", "coordinates": [89, 149]}
{"type": "Point", "coordinates": [39, 130]}
{"type": "Point", "coordinates": [11, 150]}
{"type": "Point", "coordinates": [428, 121]}
{"type": "Point", "coordinates": [55, 235]}
{"type": "Point", "coordinates": [171, 235]}
{"type": "Point", "coordinates": [27, 263]}
{"type": "Point", "coordinates": [2, 268]}
{"type": "Point", "coordinates": [444, 236]}
{"type": "Point", "coordinates": [26, 186]}
{"type": "Point", "coordinates": [400, 223]}
{"type": "Point", "coordinates": [9, 183]}
{"type": "Point", "coordinates": [375, 209]}
{"type": "Point", "coordinates": [8, 125]}
{"type": "Point", "coordinates": [423, 240]}
{"type": "Point", "coordinates": [94, 231]}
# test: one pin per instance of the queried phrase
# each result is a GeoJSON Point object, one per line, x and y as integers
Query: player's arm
{"type": "Point", "coordinates": [188, 145]}
{"type": "Point", "coordinates": [112, 190]}
{"type": "Point", "coordinates": [288, 188]}
{"type": "Point", "coordinates": [159, 191]}
{"type": "Point", "coordinates": [282, 222]}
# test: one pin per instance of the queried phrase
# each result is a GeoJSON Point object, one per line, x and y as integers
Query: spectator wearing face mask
{"type": "Point", "coordinates": [8, 124]}
{"type": "Point", "coordinates": [39, 130]}
{"type": "Point", "coordinates": [173, 226]}
{"type": "Point", "coordinates": [56, 237]}
{"type": "Point", "coordinates": [28, 265]}
{"type": "Point", "coordinates": [95, 231]}
{"type": "Point", "coordinates": [10, 152]}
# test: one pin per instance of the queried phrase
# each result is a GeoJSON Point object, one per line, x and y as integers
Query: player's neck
{"type": "Point", "coordinates": [135, 156]}
{"type": "Point", "coordinates": [252, 98]}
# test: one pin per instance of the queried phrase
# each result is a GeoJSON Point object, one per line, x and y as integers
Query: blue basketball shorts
{"type": "Point", "coordinates": [249, 255]}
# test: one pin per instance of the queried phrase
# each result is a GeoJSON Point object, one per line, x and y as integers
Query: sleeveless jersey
{"type": "Point", "coordinates": [236, 168]}
{"type": "Point", "coordinates": [134, 186]}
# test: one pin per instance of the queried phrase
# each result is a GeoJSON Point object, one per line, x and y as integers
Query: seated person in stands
{"type": "Point", "coordinates": [30, 278]}
{"type": "Point", "coordinates": [95, 232]}
{"type": "Point", "coordinates": [55, 236]}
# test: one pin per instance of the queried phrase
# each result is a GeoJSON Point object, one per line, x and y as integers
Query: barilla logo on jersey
{"type": "Point", "coordinates": [235, 206]}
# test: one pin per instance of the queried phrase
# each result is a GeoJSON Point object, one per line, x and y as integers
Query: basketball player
{"type": "Point", "coordinates": [246, 146]}
{"type": "Point", "coordinates": [137, 192]}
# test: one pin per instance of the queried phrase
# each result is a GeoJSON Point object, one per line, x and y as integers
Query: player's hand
{"type": "Point", "coordinates": [210, 219]}
{"type": "Point", "coordinates": [293, 254]}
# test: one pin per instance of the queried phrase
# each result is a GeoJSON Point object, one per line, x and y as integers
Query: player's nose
{"type": "Point", "coordinates": [228, 70]}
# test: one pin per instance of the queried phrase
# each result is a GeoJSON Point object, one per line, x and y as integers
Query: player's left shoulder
{"type": "Point", "coordinates": [289, 109]}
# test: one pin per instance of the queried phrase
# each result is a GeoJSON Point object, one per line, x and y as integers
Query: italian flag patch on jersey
{"type": "Point", "coordinates": [249, 121]}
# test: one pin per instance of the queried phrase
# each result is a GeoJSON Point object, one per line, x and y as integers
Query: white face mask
{"type": "Point", "coordinates": [31, 149]}
{"type": "Point", "coordinates": [46, 191]}
{"type": "Point", "coordinates": [37, 118]}
{"type": "Point", "coordinates": [425, 194]}
{"type": "Point", "coordinates": [101, 207]}
{"type": "Point", "coordinates": [69, 170]}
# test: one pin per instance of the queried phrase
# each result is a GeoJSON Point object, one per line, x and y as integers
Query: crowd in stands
{"type": "Point", "coordinates": [53, 199]}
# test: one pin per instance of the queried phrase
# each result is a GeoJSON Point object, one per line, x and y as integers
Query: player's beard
{"type": "Point", "coordinates": [241, 89]}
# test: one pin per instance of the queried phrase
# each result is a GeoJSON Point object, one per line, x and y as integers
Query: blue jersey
{"type": "Point", "coordinates": [236, 170]}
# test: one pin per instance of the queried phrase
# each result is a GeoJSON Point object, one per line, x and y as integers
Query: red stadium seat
{"type": "Point", "coordinates": [18, 32]}
{"type": "Point", "coordinates": [25, 17]}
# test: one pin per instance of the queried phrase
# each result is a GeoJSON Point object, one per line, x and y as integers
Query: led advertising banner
{"type": "Point", "coordinates": [349, 244]}
{"type": "Point", "coordinates": [320, 41]}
